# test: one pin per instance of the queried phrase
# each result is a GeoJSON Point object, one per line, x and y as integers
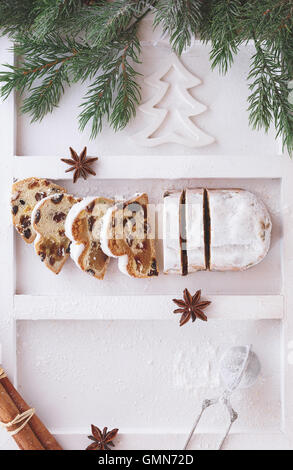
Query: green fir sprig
{"type": "Point", "coordinates": [180, 20]}
{"type": "Point", "coordinates": [61, 42]}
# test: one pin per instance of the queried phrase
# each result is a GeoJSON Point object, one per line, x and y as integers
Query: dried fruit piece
{"type": "Point", "coordinates": [90, 207]}
{"type": "Point", "coordinates": [37, 216]}
{"type": "Point", "coordinates": [39, 196]}
{"type": "Point", "coordinates": [57, 198]}
{"type": "Point", "coordinates": [34, 184]}
{"type": "Point", "coordinates": [91, 221]}
{"type": "Point", "coordinates": [154, 269]}
{"type": "Point", "coordinates": [25, 221]}
{"type": "Point", "coordinates": [59, 216]}
{"type": "Point", "coordinates": [27, 233]}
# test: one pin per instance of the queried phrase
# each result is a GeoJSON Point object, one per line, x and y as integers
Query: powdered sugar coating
{"type": "Point", "coordinates": [76, 249]}
{"type": "Point", "coordinates": [171, 234]}
{"type": "Point", "coordinates": [240, 229]}
{"type": "Point", "coordinates": [195, 230]}
{"type": "Point", "coordinates": [122, 264]}
{"type": "Point", "coordinates": [106, 221]}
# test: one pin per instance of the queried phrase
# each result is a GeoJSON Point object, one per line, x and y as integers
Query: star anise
{"type": "Point", "coordinates": [79, 164]}
{"type": "Point", "coordinates": [191, 307]}
{"type": "Point", "coordinates": [102, 440]}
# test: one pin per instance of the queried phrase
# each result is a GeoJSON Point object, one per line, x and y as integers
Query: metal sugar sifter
{"type": "Point", "coordinates": [239, 368]}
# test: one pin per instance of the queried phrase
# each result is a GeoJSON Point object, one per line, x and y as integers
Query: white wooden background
{"type": "Point", "coordinates": [111, 353]}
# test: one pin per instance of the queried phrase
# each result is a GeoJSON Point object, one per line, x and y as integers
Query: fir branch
{"type": "Point", "coordinates": [103, 25]}
{"type": "Point", "coordinates": [264, 20]}
{"type": "Point", "coordinates": [48, 13]}
{"type": "Point", "coordinates": [59, 42]}
{"type": "Point", "coordinates": [45, 97]}
{"type": "Point", "coordinates": [180, 19]}
{"type": "Point", "coordinates": [128, 91]}
{"type": "Point", "coordinates": [39, 59]}
{"type": "Point", "coordinates": [15, 16]}
{"type": "Point", "coordinates": [224, 33]}
{"type": "Point", "coordinates": [117, 78]}
{"type": "Point", "coordinates": [269, 98]}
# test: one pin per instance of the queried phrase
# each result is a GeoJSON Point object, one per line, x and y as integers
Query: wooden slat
{"type": "Point", "coordinates": [150, 307]}
{"type": "Point", "coordinates": [168, 441]}
{"type": "Point", "coordinates": [136, 167]}
{"type": "Point", "coordinates": [7, 265]}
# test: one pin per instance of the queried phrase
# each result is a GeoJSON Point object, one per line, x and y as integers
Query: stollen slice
{"type": "Point", "coordinates": [48, 218]}
{"type": "Point", "coordinates": [184, 231]}
{"type": "Point", "coordinates": [195, 227]}
{"type": "Point", "coordinates": [171, 232]}
{"type": "Point", "coordinates": [83, 227]}
{"type": "Point", "coordinates": [25, 195]}
{"type": "Point", "coordinates": [126, 234]}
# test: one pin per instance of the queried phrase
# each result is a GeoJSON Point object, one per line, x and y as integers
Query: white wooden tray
{"type": "Point", "coordinates": [111, 353]}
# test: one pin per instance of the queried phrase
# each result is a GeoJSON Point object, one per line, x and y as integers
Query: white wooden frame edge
{"type": "Point", "coordinates": [15, 307]}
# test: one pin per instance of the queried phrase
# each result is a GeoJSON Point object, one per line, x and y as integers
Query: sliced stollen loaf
{"type": "Point", "coordinates": [240, 229]}
{"type": "Point", "coordinates": [216, 229]}
{"type": "Point", "coordinates": [126, 234]}
{"type": "Point", "coordinates": [48, 218]}
{"type": "Point", "coordinates": [25, 195]}
{"type": "Point", "coordinates": [183, 231]}
{"type": "Point", "coordinates": [82, 227]}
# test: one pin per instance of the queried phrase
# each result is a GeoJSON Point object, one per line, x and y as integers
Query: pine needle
{"type": "Point", "coordinates": [60, 42]}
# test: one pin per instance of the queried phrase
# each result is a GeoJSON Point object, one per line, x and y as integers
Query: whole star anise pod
{"type": "Point", "coordinates": [102, 440]}
{"type": "Point", "coordinates": [191, 307]}
{"type": "Point", "coordinates": [79, 164]}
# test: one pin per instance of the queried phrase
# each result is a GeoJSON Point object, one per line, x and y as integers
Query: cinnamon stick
{"type": "Point", "coordinates": [40, 430]}
{"type": "Point", "coordinates": [25, 438]}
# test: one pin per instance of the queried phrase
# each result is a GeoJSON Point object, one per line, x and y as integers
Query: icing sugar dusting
{"type": "Point", "coordinates": [196, 369]}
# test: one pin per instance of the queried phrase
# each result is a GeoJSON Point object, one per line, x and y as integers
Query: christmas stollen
{"type": "Point", "coordinates": [240, 229]}
{"type": "Point", "coordinates": [48, 218]}
{"type": "Point", "coordinates": [25, 195]}
{"type": "Point", "coordinates": [183, 231]}
{"type": "Point", "coordinates": [126, 234]}
{"type": "Point", "coordinates": [83, 227]}
{"type": "Point", "coordinates": [214, 229]}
